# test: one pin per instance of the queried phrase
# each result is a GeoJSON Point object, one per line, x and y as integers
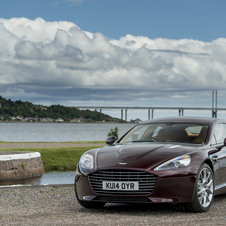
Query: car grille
{"type": "Point", "coordinates": [146, 181]}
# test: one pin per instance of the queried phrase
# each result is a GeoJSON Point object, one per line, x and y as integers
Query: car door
{"type": "Point", "coordinates": [219, 134]}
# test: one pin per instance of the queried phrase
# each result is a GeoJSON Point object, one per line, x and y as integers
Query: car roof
{"type": "Point", "coordinates": [182, 119]}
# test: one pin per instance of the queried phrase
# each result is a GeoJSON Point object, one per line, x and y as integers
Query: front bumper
{"type": "Point", "coordinates": [171, 189]}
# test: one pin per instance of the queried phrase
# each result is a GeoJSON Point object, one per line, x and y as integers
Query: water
{"type": "Point", "coordinates": [55, 132]}
{"type": "Point", "coordinates": [47, 178]}
{"type": "Point", "coordinates": [58, 132]}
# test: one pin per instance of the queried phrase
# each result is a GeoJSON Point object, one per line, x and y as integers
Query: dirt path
{"type": "Point", "coordinates": [46, 144]}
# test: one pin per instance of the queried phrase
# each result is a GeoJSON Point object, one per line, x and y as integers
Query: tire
{"type": "Point", "coordinates": [88, 204]}
{"type": "Point", "coordinates": [204, 190]}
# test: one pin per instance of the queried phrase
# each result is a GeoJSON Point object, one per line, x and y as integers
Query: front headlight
{"type": "Point", "coordinates": [175, 163]}
{"type": "Point", "coordinates": [86, 163]}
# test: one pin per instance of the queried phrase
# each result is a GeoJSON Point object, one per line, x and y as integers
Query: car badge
{"type": "Point", "coordinates": [122, 163]}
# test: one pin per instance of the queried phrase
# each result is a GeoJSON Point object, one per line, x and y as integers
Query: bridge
{"type": "Point", "coordinates": [150, 109]}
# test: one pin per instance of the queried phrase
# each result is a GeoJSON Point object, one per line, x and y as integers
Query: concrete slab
{"type": "Point", "coordinates": [16, 165]}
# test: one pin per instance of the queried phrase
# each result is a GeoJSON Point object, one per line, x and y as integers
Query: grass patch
{"type": "Point", "coordinates": [23, 165]}
{"type": "Point", "coordinates": [58, 158]}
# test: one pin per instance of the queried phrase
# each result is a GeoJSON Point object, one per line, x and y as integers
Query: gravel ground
{"type": "Point", "coordinates": [56, 205]}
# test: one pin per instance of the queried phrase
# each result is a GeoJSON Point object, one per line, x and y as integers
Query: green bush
{"type": "Point", "coordinates": [113, 132]}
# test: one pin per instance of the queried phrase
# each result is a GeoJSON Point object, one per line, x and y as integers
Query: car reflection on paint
{"type": "Point", "coordinates": [179, 160]}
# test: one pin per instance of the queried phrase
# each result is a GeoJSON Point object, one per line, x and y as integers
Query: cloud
{"type": "Point", "coordinates": [59, 61]}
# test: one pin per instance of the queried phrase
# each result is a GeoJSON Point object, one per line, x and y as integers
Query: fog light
{"type": "Point", "coordinates": [88, 197]}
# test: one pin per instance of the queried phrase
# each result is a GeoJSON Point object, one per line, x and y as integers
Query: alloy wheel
{"type": "Point", "coordinates": [205, 187]}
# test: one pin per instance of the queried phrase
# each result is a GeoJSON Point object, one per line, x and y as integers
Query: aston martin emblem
{"type": "Point", "coordinates": [122, 163]}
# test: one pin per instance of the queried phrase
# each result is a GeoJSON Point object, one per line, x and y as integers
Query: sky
{"type": "Point", "coordinates": [159, 53]}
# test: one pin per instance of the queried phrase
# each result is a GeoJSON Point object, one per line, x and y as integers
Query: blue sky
{"type": "Point", "coordinates": [172, 19]}
{"type": "Point", "coordinates": [114, 52]}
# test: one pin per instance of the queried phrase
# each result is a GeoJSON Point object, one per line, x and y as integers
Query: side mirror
{"type": "Point", "coordinates": [110, 140]}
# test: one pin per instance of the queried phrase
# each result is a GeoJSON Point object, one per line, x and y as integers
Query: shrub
{"type": "Point", "coordinates": [113, 132]}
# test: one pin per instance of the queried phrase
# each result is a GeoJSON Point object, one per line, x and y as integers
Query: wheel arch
{"type": "Point", "coordinates": [210, 164]}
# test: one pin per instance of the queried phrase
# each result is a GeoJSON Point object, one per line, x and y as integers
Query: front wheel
{"type": "Point", "coordinates": [204, 190]}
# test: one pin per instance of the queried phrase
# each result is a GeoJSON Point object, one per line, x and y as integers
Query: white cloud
{"type": "Point", "coordinates": [44, 55]}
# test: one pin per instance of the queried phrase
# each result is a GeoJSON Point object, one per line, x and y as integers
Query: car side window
{"type": "Point", "coordinates": [219, 134]}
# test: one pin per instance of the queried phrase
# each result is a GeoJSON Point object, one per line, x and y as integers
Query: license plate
{"type": "Point", "coordinates": [120, 185]}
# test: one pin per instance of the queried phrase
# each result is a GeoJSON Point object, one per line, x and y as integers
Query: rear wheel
{"type": "Point", "coordinates": [204, 190]}
{"type": "Point", "coordinates": [88, 204]}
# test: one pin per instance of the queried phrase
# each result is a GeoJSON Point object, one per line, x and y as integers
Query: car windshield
{"type": "Point", "coordinates": [169, 132]}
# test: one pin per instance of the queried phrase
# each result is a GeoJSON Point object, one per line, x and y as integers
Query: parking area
{"type": "Point", "coordinates": [56, 205]}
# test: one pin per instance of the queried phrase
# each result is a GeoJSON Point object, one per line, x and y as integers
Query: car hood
{"type": "Point", "coordinates": [138, 155]}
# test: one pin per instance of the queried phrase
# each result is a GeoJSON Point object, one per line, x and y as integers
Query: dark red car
{"type": "Point", "coordinates": [168, 160]}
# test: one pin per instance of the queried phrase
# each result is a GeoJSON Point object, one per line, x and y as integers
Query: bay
{"type": "Point", "coordinates": [58, 132]}
{"type": "Point", "coordinates": [49, 178]}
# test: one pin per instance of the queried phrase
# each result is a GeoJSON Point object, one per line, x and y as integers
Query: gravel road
{"type": "Point", "coordinates": [56, 205]}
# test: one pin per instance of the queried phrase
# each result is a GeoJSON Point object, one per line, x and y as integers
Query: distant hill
{"type": "Point", "coordinates": [26, 111]}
